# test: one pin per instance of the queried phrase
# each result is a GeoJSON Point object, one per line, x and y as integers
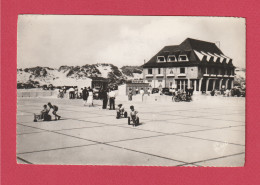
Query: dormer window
{"type": "Point", "coordinates": [172, 58]}
{"type": "Point", "coordinates": [160, 59]}
{"type": "Point", "coordinates": [150, 71]}
{"type": "Point", "coordinates": [183, 58]}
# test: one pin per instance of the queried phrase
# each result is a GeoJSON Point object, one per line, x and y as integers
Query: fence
{"type": "Point", "coordinates": [36, 93]}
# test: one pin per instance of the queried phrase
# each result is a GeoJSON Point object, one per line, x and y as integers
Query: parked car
{"type": "Point", "coordinates": [166, 91]}
{"type": "Point", "coordinates": [155, 90]}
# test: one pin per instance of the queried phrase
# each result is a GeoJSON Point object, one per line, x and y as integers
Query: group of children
{"type": "Point", "coordinates": [133, 114]}
{"type": "Point", "coordinates": [44, 114]}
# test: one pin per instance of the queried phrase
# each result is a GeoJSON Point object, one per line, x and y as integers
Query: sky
{"type": "Point", "coordinates": [55, 40]}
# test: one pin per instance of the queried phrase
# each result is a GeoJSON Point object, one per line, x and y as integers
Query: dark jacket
{"type": "Point", "coordinates": [85, 94]}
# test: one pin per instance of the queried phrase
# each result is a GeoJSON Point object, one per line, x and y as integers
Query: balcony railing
{"type": "Point", "coordinates": [159, 75]}
{"type": "Point", "coordinates": [170, 75]}
{"type": "Point", "coordinates": [149, 75]}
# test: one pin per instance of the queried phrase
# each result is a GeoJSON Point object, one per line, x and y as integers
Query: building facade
{"type": "Point", "coordinates": [193, 63]}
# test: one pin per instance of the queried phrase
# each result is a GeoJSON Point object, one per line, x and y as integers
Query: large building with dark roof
{"type": "Point", "coordinates": [193, 63]}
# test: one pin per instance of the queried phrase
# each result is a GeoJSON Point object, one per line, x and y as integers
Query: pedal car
{"type": "Point", "coordinates": [134, 120]}
{"type": "Point", "coordinates": [45, 117]}
{"type": "Point", "coordinates": [121, 114]}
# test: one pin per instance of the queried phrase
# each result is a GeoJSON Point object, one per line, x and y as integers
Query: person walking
{"type": "Point", "coordinates": [130, 95]}
{"type": "Point", "coordinates": [112, 96]}
{"type": "Point", "coordinates": [85, 95]}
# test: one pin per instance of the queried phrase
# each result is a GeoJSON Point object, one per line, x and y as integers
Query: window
{"type": "Point", "coordinates": [159, 80]}
{"type": "Point", "coordinates": [171, 72]}
{"type": "Point", "coordinates": [171, 58]}
{"type": "Point", "coordinates": [160, 59]}
{"type": "Point", "coordinates": [159, 70]}
{"type": "Point", "coordinates": [183, 58]}
{"type": "Point", "coordinates": [150, 71]}
{"type": "Point", "coordinates": [182, 70]}
{"type": "Point", "coordinates": [149, 80]}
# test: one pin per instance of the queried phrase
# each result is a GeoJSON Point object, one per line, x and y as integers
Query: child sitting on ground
{"type": "Point", "coordinates": [55, 110]}
{"type": "Point", "coordinates": [43, 115]}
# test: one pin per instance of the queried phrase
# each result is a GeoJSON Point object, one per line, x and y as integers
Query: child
{"type": "Point", "coordinates": [43, 115]}
{"type": "Point", "coordinates": [133, 115]}
{"type": "Point", "coordinates": [120, 109]}
{"type": "Point", "coordinates": [55, 110]}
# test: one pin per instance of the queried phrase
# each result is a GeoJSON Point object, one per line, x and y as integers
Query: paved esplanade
{"type": "Point", "coordinates": [210, 131]}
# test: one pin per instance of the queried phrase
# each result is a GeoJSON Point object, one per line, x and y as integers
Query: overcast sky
{"type": "Point", "coordinates": [55, 40]}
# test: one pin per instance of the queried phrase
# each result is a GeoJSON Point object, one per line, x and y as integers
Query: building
{"type": "Point", "coordinates": [195, 63]}
{"type": "Point", "coordinates": [99, 82]}
{"type": "Point", "coordinates": [136, 84]}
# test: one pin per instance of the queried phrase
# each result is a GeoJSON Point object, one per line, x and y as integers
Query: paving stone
{"type": "Point", "coordinates": [97, 155]}
{"type": "Point", "coordinates": [109, 133]}
{"type": "Point", "coordinates": [222, 135]}
{"type": "Point", "coordinates": [46, 141]}
{"type": "Point", "coordinates": [25, 130]}
{"type": "Point", "coordinates": [181, 148]}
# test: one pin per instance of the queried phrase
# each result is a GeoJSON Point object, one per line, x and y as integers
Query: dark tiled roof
{"type": "Point", "coordinates": [187, 47]}
{"type": "Point", "coordinates": [200, 45]}
{"type": "Point", "coordinates": [98, 78]}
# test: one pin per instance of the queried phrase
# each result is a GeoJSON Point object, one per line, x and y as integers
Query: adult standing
{"type": "Point", "coordinates": [130, 95]}
{"type": "Point", "coordinates": [112, 97]}
{"type": "Point", "coordinates": [142, 94]}
{"type": "Point", "coordinates": [104, 98]}
{"type": "Point", "coordinates": [76, 92]}
{"type": "Point", "coordinates": [64, 89]}
{"type": "Point", "coordinates": [71, 93]}
{"type": "Point", "coordinates": [80, 93]}
{"type": "Point", "coordinates": [173, 91]}
{"type": "Point", "coordinates": [223, 89]}
{"type": "Point", "coordinates": [191, 90]}
{"type": "Point", "coordinates": [85, 95]}
{"type": "Point", "coordinates": [136, 91]}
{"type": "Point", "coordinates": [90, 97]}
{"type": "Point", "coordinates": [149, 91]}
